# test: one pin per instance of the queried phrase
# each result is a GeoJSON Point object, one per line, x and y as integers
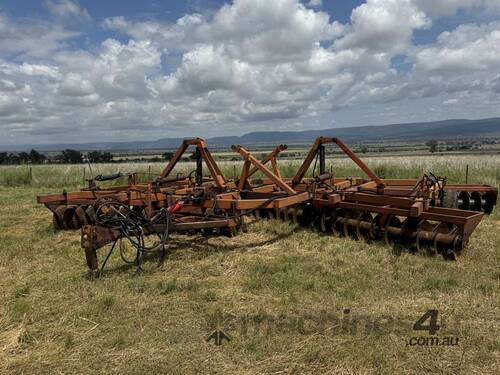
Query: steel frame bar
{"type": "Point", "coordinates": [317, 146]}
{"type": "Point", "coordinates": [272, 158]}
{"type": "Point", "coordinates": [274, 178]}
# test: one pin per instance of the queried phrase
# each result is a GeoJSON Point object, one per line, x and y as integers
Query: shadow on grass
{"type": "Point", "coordinates": [200, 245]}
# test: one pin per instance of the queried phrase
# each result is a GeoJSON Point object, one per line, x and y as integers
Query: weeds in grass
{"type": "Point", "coordinates": [107, 302]}
{"type": "Point", "coordinates": [22, 291]}
{"type": "Point", "coordinates": [441, 283]}
{"type": "Point", "coordinates": [18, 309]}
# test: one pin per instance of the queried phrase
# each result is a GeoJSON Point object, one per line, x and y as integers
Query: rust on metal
{"type": "Point", "coordinates": [423, 213]}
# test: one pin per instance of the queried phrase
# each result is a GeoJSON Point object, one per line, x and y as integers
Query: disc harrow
{"type": "Point", "coordinates": [416, 234]}
{"type": "Point", "coordinates": [72, 210]}
{"type": "Point", "coordinates": [420, 215]}
{"type": "Point", "coordinates": [409, 214]}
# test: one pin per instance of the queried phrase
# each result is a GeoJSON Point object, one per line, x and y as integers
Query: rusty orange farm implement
{"type": "Point", "coordinates": [416, 214]}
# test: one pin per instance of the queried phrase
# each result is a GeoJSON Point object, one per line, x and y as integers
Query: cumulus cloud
{"type": "Point", "coordinates": [31, 40]}
{"type": "Point", "coordinates": [252, 30]}
{"type": "Point", "coordinates": [315, 3]}
{"type": "Point", "coordinates": [74, 85]}
{"type": "Point", "coordinates": [384, 26]}
{"type": "Point", "coordinates": [467, 48]}
{"type": "Point", "coordinates": [450, 7]}
{"type": "Point", "coordinates": [67, 9]}
{"type": "Point", "coordinates": [251, 62]}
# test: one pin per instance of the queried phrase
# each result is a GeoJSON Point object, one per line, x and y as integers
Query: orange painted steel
{"type": "Point", "coordinates": [421, 213]}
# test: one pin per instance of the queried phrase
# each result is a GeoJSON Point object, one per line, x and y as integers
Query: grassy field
{"type": "Point", "coordinates": [291, 300]}
{"type": "Point", "coordinates": [482, 169]}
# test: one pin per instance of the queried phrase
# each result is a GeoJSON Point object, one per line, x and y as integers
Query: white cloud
{"type": "Point", "coordinates": [6, 85]}
{"type": "Point", "coordinates": [180, 35]}
{"type": "Point", "coordinates": [450, 101]}
{"type": "Point", "coordinates": [39, 70]}
{"type": "Point", "coordinates": [251, 30]}
{"type": "Point", "coordinates": [450, 7]}
{"type": "Point", "coordinates": [67, 9]}
{"type": "Point", "coordinates": [252, 64]}
{"type": "Point", "coordinates": [34, 39]}
{"type": "Point", "coordinates": [315, 3]}
{"type": "Point", "coordinates": [467, 48]}
{"type": "Point", "coordinates": [74, 85]}
{"type": "Point", "coordinates": [384, 26]}
{"type": "Point", "coordinates": [10, 104]}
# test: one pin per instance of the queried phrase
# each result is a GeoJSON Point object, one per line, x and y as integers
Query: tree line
{"type": "Point", "coordinates": [69, 156]}
{"type": "Point", "coordinates": [32, 157]}
{"type": "Point", "coordinates": [435, 145]}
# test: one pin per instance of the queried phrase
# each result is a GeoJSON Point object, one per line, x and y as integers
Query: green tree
{"type": "Point", "coordinates": [69, 156]}
{"type": "Point", "coordinates": [106, 157]}
{"type": "Point", "coordinates": [100, 157]}
{"type": "Point", "coordinates": [13, 159]}
{"type": "Point", "coordinates": [94, 156]}
{"type": "Point", "coordinates": [167, 156]}
{"type": "Point", "coordinates": [35, 157]}
{"type": "Point", "coordinates": [432, 144]}
{"type": "Point", "coordinates": [23, 157]}
{"type": "Point", "coordinates": [4, 158]}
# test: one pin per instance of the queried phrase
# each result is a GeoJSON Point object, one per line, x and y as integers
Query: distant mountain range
{"type": "Point", "coordinates": [438, 130]}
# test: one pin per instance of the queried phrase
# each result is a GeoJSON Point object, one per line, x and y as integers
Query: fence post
{"type": "Point", "coordinates": [467, 173]}
{"type": "Point", "coordinates": [31, 174]}
{"type": "Point", "coordinates": [149, 173]}
{"type": "Point", "coordinates": [84, 175]}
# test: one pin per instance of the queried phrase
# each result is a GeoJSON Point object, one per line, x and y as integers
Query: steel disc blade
{"type": "Point", "coordinates": [308, 215]}
{"type": "Point", "coordinates": [361, 233]}
{"type": "Point", "coordinates": [90, 214]}
{"type": "Point", "coordinates": [337, 226]}
{"type": "Point", "coordinates": [282, 214]}
{"type": "Point", "coordinates": [424, 226]}
{"type": "Point", "coordinates": [58, 217]}
{"type": "Point", "coordinates": [393, 221]}
{"type": "Point", "coordinates": [376, 224]}
{"type": "Point", "coordinates": [345, 227]}
{"type": "Point", "coordinates": [489, 203]}
{"type": "Point", "coordinates": [324, 219]}
{"type": "Point", "coordinates": [408, 232]}
{"type": "Point", "coordinates": [441, 228]}
{"type": "Point", "coordinates": [82, 217]}
{"type": "Point", "coordinates": [464, 200]}
{"type": "Point", "coordinates": [68, 218]}
{"type": "Point", "coordinates": [476, 201]}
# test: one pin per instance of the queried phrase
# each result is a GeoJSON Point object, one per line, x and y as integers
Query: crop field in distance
{"type": "Point", "coordinates": [290, 300]}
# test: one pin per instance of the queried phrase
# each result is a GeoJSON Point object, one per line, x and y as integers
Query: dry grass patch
{"type": "Point", "coordinates": [278, 291]}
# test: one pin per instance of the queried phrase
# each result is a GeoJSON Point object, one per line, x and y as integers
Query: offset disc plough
{"type": "Point", "coordinates": [425, 213]}
{"type": "Point", "coordinates": [72, 210]}
{"type": "Point", "coordinates": [376, 209]}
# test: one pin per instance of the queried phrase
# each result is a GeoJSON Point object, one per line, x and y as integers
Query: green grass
{"type": "Point", "coordinates": [278, 291]}
{"type": "Point", "coordinates": [482, 169]}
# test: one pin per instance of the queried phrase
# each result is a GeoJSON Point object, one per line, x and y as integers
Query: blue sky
{"type": "Point", "coordinates": [79, 71]}
{"type": "Point", "coordinates": [167, 11]}
{"type": "Point", "coordinates": [170, 11]}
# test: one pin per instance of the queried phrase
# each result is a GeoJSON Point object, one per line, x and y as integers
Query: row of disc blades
{"type": "Point", "coordinates": [413, 234]}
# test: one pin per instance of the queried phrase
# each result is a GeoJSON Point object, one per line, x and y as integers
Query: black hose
{"type": "Point", "coordinates": [113, 214]}
{"type": "Point", "coordinates": [130, 224]}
